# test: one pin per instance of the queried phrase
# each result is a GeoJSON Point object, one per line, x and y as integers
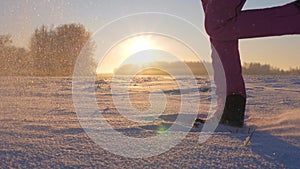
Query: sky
{"type": "Point", "coordinates": [19, 18]}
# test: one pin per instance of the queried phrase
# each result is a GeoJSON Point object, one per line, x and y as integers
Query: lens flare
{"type": "Point", "coordinates": [162, 130]}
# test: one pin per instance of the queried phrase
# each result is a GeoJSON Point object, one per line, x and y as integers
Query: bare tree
{"type": "Point", "coordinates": [55, 51]}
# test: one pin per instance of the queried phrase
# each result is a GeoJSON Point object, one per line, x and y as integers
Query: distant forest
{"type": "Point", "coordinates": [198, 68]}
{"type": "Point", "coordinates": [54, 51]}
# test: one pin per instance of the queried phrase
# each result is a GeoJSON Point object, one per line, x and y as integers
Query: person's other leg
{"type": "Point", "coordinates": [225, 20]}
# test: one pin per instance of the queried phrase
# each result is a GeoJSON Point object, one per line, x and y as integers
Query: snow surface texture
{"type": "Point", "coordinates": [39, 127]}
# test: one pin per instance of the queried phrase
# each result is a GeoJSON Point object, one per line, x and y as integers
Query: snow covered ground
{"type": "Point", "coordinates": [39, 127]}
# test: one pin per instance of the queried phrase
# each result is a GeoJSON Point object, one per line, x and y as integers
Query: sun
{"type": "Point", "coordinates": [139, 45]}
{"type": "Point", "coordinates": [139, 50]}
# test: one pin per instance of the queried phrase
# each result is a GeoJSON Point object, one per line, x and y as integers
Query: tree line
{"type": "Point", "coordinates": [54, 52]}
{"type": "Point", "coordinates": [51, 52]}
{"type": "Point", "coordinates": [266, 69]}
{"type": "Point", "coordinates": [198, 68]}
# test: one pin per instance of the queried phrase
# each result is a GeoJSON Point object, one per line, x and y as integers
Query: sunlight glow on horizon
{"type": "Point", "coordinates": [127, 52]}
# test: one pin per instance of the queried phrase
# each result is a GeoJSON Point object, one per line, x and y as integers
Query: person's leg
{"type": "Point", "coordinates": [225, 20]}
{"type": "Point", "coordinates": [230, 86]}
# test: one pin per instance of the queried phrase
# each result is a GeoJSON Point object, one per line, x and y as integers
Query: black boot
{"type": "Point", "coordinates": [234, 111]}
